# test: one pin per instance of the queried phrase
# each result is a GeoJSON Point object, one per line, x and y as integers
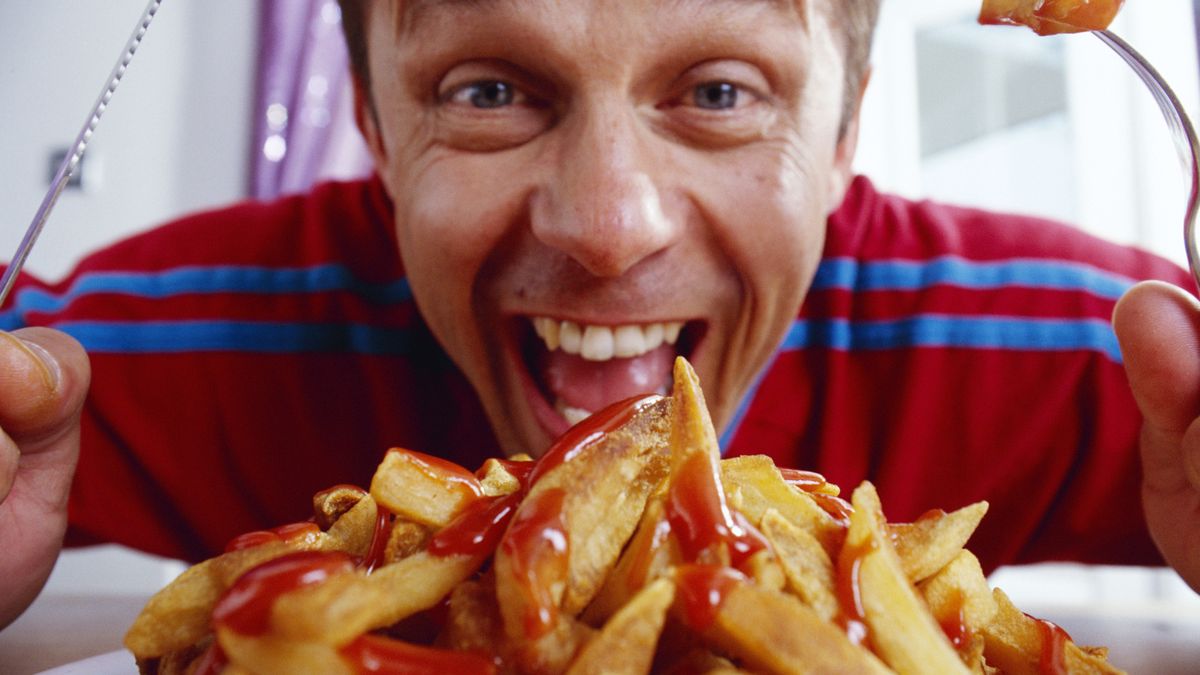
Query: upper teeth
{"type": "Point", "coordinates": [601, 343]}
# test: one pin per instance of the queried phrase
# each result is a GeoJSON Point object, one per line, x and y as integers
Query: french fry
{"type": "Point", "coordinates": [270, 654]}
{"type": "Point", "coordinates": [901, 629]}
{"type": "Point", "coordinates": [331, 504]}
{"type": "Point", "coordinates": [633, 550]}
{"type": "Point", "coordinates": [473, 621]}
{"type": "Point", "coordinates": [426, 489]}
{"type": "Point", "coordinates": [627, 641]}
{"type": "Point", "coordinates": [1019, 644]}
{"type": "Point", "coordinates": [960, 600]}
{"type": "Point", "coordinates": [406, 538]}
{"type": "Point", "coordinates": [809, 571]}
{"type": "Point", "coordinates": [928, 544]}
{"type": "Point", "coordinates": [773, 632]}
{"type": "Point", "coordinates": [593, 503]}
{"type": "Point", "coordinates": [497, 480]}
{"type": "Point", "coordinates": [354, 530]}
{"type": "Point", "coordinates": [761, 487]}
{"type": "Point", "coordinates": [345, 606]}
{"type": "Point", "coordinates": [647, 557]}
{"type": "Point", "coordinates": [178, 615]}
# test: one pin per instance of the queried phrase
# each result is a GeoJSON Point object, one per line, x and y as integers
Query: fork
{"type": "Point", "coordinates": [1182, 133]}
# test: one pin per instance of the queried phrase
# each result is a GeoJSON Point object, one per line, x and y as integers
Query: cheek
{"type": "Point", "coordinates": [451, 216]}
{"type": "Point", "coordinates": [769, 220]}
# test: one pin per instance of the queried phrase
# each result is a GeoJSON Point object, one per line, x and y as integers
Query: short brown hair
{"type": "Point", "coordinates": [856, 17]}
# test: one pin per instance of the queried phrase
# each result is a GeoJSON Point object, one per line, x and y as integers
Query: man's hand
{"type": "Point", "coordinates": [1158, 326]}
{"type": "Point", "coordinates": [44, 375]}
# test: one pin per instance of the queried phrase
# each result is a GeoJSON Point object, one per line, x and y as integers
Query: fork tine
{"type": "Point", "coordinates": [1182, 132]}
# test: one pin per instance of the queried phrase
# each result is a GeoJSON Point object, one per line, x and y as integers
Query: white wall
{"type": "Point", "coordinates": [1107, 164]}
{"type": "Point", "coordinates": [174, 138]}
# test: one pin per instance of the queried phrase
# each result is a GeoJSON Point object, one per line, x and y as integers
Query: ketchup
{"type": "Point", "coordinates": [702, 590]}
{"type": "Point", "coordinates": [837, 507]}
{"type": "Point", "coordinates": [478, 528]}
{"type": "Point", "coordinates": [1053, 659]}
{"type": "Point", "coordinates": [954, 622]}
{"type": "Point", "coordinates": [853, 615]}
{"type": "Point", "coordinates": [379, 541]}
{"type": "Point", "coordinates": [246, 606]}
{"type": "Point", "coordinates": [376, 654]}
{"type": "Point", "coordinates": [700, 518]}
{"type": "Point", "coordinates": [537, 547]}
{"type": "Point", "coordinates": [931, 514]}
{"type": "Point", "coordinates": [805, 480]}
{"type": "Point", "coordinates": [291, 533]}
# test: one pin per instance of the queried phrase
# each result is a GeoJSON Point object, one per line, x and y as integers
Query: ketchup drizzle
{"type": "Point", "coordinates": [853, 616]}
{"type": "Point", "coordinates": [700, 518]}
{"type": "Point", "coordinates": [954, 623]}
{"type": "Point", "coordinates": [837, 507]}
{"type": "Point", "coordinates": [379, 541]}
{"type": "Point", "coordinates": [245, 607]}
{"type": "Point", "coordinates": [702, 590]}
{"type": "Point", "coordinates": [537, 547]}
{"type": "Point", "coordinates": [1053, 659]}
{"type": "Point", "coordinates": [292, 532]}
{"type": "Point", "coordinates": [477, 530]}
{"type": "Point", "coordinates": [804, 480]}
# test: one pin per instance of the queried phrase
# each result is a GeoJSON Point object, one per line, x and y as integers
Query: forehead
{"type": "Point", "coordinates": [412, 14]}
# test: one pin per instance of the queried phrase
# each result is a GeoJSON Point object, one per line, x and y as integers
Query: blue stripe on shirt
{"type": "Point", "coordinates": [907, 275]}
{"type": "Point", "coordinates": [967, 332]}
{"type": "Point", "coordinates": [927, 330]}
{"type": "Point", "coordinates": [916, 331]}
{"type": "Point", "coordinates": [222, 279]}
{"type": "Point", "coordinates": [236, 336]}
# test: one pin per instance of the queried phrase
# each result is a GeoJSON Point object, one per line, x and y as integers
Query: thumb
{"type": "Point", "coordinates": [44, 376]}
{"type": "Point", "coordinates": [1158, 327]}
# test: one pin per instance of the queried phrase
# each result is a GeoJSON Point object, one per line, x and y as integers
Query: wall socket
{"type": "Point", "coordinates": [81, 179]}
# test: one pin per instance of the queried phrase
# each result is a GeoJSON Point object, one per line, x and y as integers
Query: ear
{"type": "Point", "coordinates": [368, 123]}
{"type": "Point", "coordinates": [847, 145]}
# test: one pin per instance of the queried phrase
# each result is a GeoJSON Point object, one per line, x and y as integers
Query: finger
{"type": "Point", "coordinates": [44, 376]}
{"type": "Point", "coordinates": [1158, 327]}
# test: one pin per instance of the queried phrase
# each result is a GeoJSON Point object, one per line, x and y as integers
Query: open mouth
{"type": "Point", "coordinates": [579, 368]}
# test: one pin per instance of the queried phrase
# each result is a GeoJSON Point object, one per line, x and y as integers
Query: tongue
{"type": "Point", "coordinates": [591, 385]}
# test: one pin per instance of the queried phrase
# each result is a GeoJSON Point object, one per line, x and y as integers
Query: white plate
{"type": "Point", "coordinates": [113, 663]}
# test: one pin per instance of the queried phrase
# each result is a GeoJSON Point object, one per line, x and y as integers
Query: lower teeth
{"type": "Point", "coordinates": [571, 414]}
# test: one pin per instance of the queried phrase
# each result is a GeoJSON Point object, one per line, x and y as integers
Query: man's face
{"type": "Point", "coordinates": [585, 189]}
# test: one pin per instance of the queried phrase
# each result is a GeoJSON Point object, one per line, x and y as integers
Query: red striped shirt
{"type": "Point", "coordinates": [249, 357]}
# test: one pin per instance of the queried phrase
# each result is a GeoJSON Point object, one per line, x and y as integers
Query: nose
{"type": "Point", "coordinates": [600, 204]}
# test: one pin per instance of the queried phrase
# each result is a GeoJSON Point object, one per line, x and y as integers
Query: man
{"type": "Point", "coordinates": [568, 195]}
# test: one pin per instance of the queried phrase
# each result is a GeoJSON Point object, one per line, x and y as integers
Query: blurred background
{"type": "Point", "coordinates": [230, 99]}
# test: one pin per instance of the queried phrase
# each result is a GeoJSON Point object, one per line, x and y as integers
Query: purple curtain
{"type": "Point", "coordinates": [304, 119]}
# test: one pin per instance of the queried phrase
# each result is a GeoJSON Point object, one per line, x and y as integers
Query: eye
{"type": "Point", "coordinates": [486, 94]}
{"type": "Point", "coordinates": [716, 96]}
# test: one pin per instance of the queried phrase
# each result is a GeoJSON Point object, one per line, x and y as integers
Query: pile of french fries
{"type": "Point", "coordinates": [627, 549]}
